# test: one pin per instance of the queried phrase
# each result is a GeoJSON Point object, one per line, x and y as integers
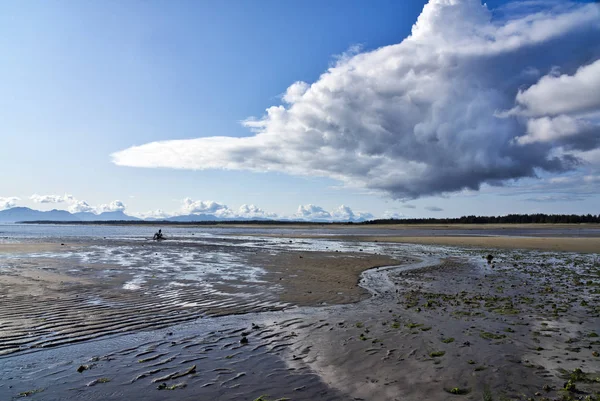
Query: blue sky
{"type": "Point", "coordinates": [82, 81]}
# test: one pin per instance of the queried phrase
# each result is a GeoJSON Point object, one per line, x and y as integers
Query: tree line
{"type": "Point", "coordinates": [539, 218]}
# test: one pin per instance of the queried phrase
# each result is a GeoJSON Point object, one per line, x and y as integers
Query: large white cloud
{"type": "Point", "coordinates": [424, 116]}
{"type": "Point", "coordinates": [8, 202]}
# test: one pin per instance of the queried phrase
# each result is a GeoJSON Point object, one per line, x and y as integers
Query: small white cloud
{"type": "Point", "coordinates": [392, 215]}
{"type": "Point", "coordinates": [191, 206]}
{"type": "Point", "coordinates": [434, 209]}
{"type": "Point", "coordinates": [312, 212]}
{"type": "Point", "coordinates": [254, 212]}
{"type": "Point", "coordinates": [79, 206]}
{"type": "Point", "coordinates": [51, 198]}
{"type": "Point", "coordinates": [551, 129]}
{"type": "Point", "coordinates": [153, 214]}
{"type": "Point", "coordinates": [342, 213]}
{"type": "Point", "coordinates": [8, 202]}
{"type": "Point", "coordinates": [114, 206]}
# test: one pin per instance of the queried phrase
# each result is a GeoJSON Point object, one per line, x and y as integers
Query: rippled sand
{"type": "Point", "coordinates": [161, 316]}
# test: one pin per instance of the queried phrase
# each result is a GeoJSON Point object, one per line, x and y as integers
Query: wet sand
{"type": "Point", "coordinates": [559, 244]}
{"type": "Point", "coordinates": [49, 301]}
{"type": "Point", "coordinates": [444, 321]}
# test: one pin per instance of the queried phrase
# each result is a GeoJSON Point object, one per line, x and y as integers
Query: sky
{"type": "Point", "coordinates": [342, 109]}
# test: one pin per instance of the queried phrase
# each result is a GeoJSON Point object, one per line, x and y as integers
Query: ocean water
{"type": "Point", "coordinates": [145, 232]}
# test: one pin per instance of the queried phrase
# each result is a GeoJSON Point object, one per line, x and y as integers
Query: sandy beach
{"type": "Point", "coordinates": [303, 318]}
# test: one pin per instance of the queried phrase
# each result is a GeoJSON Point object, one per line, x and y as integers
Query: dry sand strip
{"type": "Point", "coordinates": [584, 245]}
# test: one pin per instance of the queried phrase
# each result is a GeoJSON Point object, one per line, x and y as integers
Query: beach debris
{"type": "Point", "coordinates": [30, 392]}
{"type": "Point", "coordinates": [175, 375]}
{"type": "Point", "coordinates": [164, 386]}
{"type": "Point", "coordinates": [81, 368]}
{"type": "Point", "coordinates": [487, 394]}
{"type": "Point", "coordinates": [99, 380]}
{"type": "Point", "coordinates": [489, 258]}
{"type": "Point", "coordinates": [244, 340]}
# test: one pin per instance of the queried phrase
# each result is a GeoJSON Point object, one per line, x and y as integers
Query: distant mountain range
{"type": "Point", "coordinates": [17, 214]}
{"type": "Point", "coordinates": [22, 214]}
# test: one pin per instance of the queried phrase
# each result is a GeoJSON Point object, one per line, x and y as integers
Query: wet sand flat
{"type": "Point", "coordinates": [560, 244]}
{"type": "Point", "coordinates": [159, 321]}
{"type": "Point", "coordinates": [584, 245]}
{"type": "Point", "coordinates": [55, 296]}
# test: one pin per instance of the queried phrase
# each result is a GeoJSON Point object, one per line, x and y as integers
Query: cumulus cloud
{"type": "Point", "coordinates": [342, 213]}
{"type": "Point", "coordinates": [8, 202]}
{"type": "Point", "coordinates": [254, 212]}
{"type": "Point", "coordinates": [51, 198]}
{"type": "Point", "coordinates": [437, 113]}
{"type": "Point", "coordinates": [563, 109]}
{"type": "Point", "coordinates": [551, 129]}
{"type": "Point", "coordinates": [114, 206]}
{"type": "Point", "coordinates": [562, 94]}
{"type": "Point", "coordinates": [158, 214]}
{"type": "Point", "coordinates": [434, 209]}
{"type": "Point", "coordinates": [79, 206]}
{"type": "Point", "coordinates": [312, 212]}
{"type": "Point", "coordinates": [191, 206]}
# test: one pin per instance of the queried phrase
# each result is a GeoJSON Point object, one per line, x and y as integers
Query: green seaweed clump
{"type": "Point", "coordinates": [448, 340]}
{"type": "Point", "coordinates": [491, 336]}
{"type": "Point", "coordinates": [164, 386]}
{"type": "Point", "coordinates": [570, 386]}
{"type": "Point", "coordinates": [30, 392]}
{"type": "Point", "coordinates": [458, 390]}
{"type": "Point", "coordinates": [436, 354]}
